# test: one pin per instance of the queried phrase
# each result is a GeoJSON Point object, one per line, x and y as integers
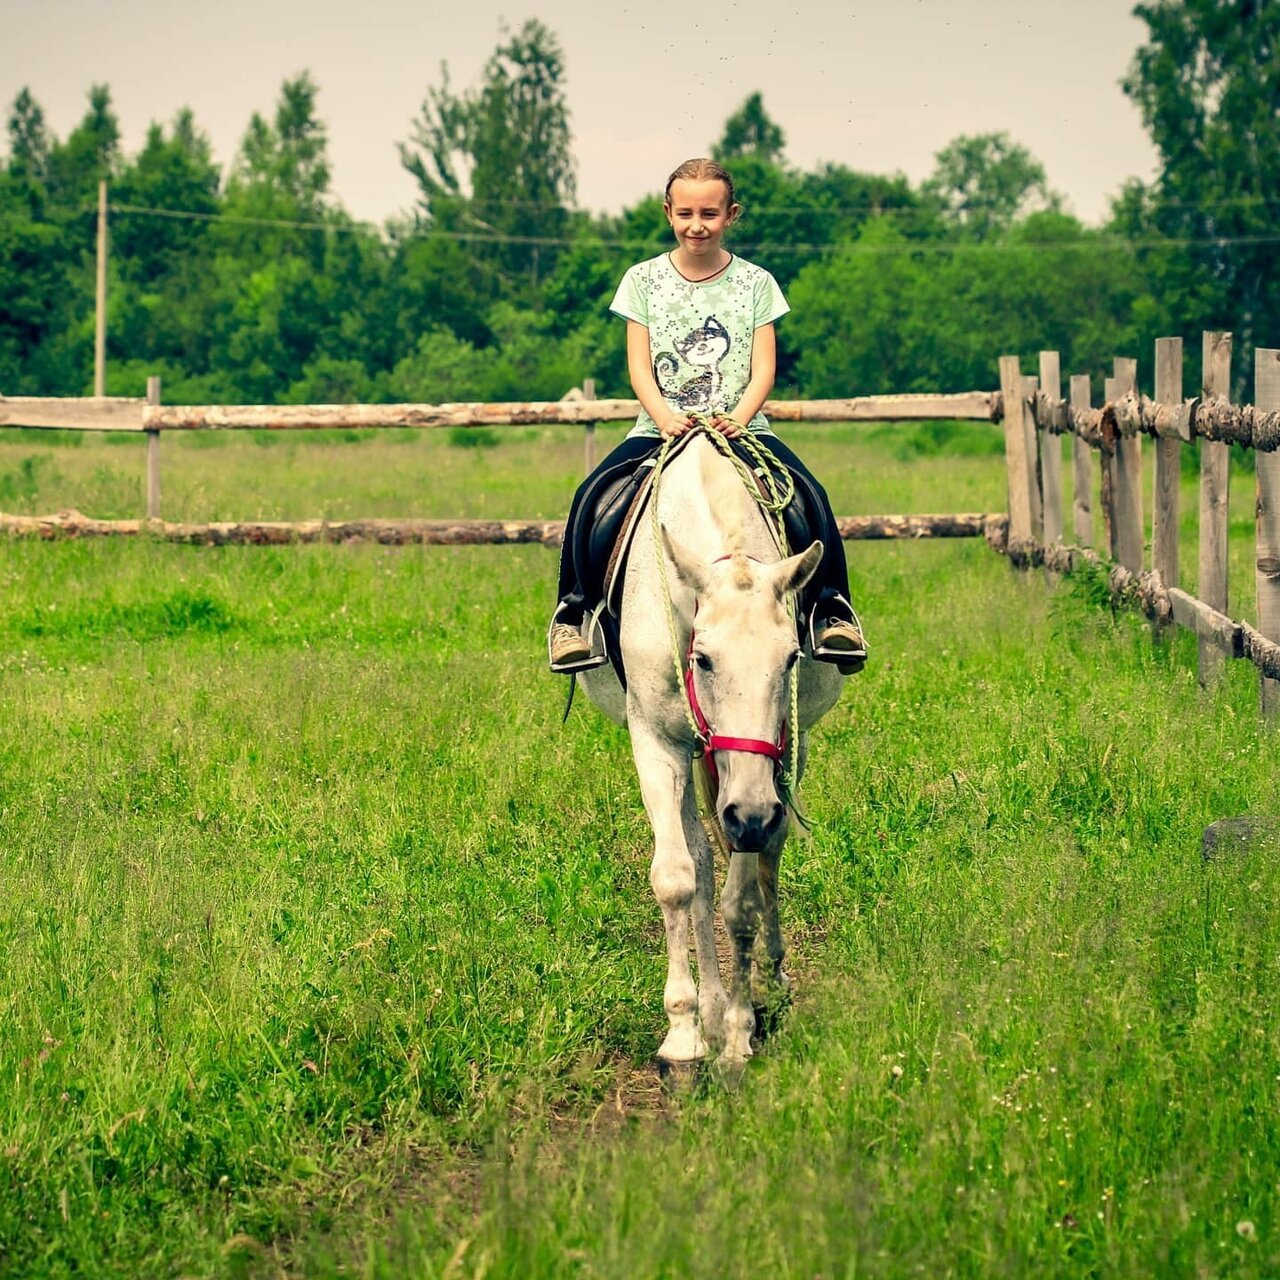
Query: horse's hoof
{"type": "Point", "coordinates": [680, 1077]}
{"type": "Point", "coordinates": [769, 1018]}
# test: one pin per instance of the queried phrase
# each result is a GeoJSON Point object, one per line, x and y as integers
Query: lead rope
{"type": "Point", "coordinates": [775, 503]}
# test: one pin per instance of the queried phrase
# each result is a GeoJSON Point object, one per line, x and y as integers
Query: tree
{"type": "Point", "coordinates": [89, 154]}
{"type": "Point", "coordinates": [288, 159]}
{"type": "Point", "coordinates": [173, 171]}
{"type": "Point", "coordinates": [751, 131]}
{"type": "Point", "coordinates": [28, 140]}
{"type": "Point", "coordinates": [1207, 82]}
{"type": "Point", "coordinates": [886, 313]}
{"type": "Point", "coordinates": [982, 182]}
{"type": "Point", "coordinates": [46, 245]}
{"type": "Point", "coordinates": [496, 162]}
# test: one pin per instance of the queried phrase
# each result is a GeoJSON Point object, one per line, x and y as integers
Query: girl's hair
{"type": "Point", "coordinates": [702, 170]}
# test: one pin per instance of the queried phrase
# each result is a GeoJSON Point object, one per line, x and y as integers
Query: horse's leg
{"type": "Point", "coordinates": [774, 947]}
{"type": "Point", "coordinates": [665, 786]}
{"type": "Point", "coordinates": [741, 904]}
{"type": "Point", "coordinates": [773, 991]}
{"type": "Point", "coordinates": [711, 995]}
{"type": "Point", "coordinates": [777, 985]}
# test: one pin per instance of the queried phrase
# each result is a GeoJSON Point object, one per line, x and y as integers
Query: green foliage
{"type": "Point", "coordinates": [1206, 81]}
{"type": "Point", "coordinates": [751, 131]}
{"type": "Point", "coordinates": [498, 160]}
{"type": "Point", "coordinates": [29, 142]}
{"type": "Point", "coordinates": [286, 161]}
{"type": "Point", "coordinates": [89, 153]}
{"type": "Point", "coordinates": [984, 182]}
{"type": "Point", "coordinates": [929, 315]}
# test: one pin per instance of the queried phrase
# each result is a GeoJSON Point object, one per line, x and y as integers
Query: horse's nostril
{"type": "Point", "coordinates": [751, 830]}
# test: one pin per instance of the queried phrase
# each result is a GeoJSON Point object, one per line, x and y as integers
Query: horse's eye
{"type": "Point", "coordinates": [792, 660]}
{"type": "Point", "coordinates": [702, 662]}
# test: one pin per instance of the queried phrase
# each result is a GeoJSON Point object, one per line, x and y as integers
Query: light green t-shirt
{"type": "Point", "coordinates": [700, 335]}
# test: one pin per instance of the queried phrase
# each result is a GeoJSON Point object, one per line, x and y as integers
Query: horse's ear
{"type": "Point", "coordinates": [794, 574]}
{"type": "Point", "coordinates": [690, 569]}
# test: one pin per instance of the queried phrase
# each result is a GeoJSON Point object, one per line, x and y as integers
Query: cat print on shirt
{"type": "Point", "coordinates": [704, 348]}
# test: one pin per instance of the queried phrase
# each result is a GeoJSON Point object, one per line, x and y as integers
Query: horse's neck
{"type": "Point", "coordinates": [711, 508]}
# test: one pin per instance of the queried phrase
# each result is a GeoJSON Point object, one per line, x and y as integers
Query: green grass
{"type": "Point", "coordinates": [324, 948]}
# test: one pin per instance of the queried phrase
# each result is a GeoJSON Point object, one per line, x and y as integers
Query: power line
{"type": "Point", "coordinates": [871, 208]}
{"type": "Point", "coordinates": [1088, 242]}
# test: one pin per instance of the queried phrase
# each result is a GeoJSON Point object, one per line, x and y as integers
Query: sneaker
{"type": "Point", "coordinates": [567, 646]}
{"type": "Point", "coordinates": [840, 641]}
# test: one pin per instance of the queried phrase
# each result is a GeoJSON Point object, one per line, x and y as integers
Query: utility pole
{"type": "Point", "coordinates": [100, 315]}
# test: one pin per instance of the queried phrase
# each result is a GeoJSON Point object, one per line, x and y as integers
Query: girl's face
{"type": "Point", "coordinates": [699, 212]}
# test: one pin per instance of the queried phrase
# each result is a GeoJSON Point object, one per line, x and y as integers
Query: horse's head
{"type": "Point", "coordinates": [742, 651]}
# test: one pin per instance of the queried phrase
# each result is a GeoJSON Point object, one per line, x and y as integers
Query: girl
{"type": "Point", "coordinates": [700, 340]}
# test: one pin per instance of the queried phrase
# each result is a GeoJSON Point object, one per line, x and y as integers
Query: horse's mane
{"type": "Point", "coordinates": [732, 508]}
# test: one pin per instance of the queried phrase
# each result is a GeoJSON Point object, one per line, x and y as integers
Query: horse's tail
{"type": "Point", "coordinates": [665, 365]}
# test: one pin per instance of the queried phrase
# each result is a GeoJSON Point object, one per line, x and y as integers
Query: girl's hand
{"type": "Point", "coordinates": [673, 424]}
{"type": "Point", "coordinates": [726, 426]}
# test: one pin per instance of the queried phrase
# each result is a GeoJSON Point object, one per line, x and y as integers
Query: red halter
{"type": "Point", "coordinates": [714, 742]}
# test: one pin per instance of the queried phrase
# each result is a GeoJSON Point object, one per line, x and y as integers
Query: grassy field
{"type": "Point", "coordinates": [324, 949]}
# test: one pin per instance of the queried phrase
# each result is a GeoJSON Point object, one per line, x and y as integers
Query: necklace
{"type": "Point", "coordinates": [700, 279]}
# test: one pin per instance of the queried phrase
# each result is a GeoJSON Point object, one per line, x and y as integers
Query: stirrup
{"type": "Point", "coordinates": [599, 654]}
{"type": "Point", "coordinates": [838, 656]}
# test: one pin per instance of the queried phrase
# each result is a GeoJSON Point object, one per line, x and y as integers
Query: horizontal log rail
{"type": "Point", "coordinates": [979, 405]}
{"type": "Point", "coordinates": [92, 413]}
{"type": "Point", "coordinates": [123, 414]}
{"type": "Point", "coordinates": [73, 524]}
{"type": "Point", "coordinates": [1211, 418]}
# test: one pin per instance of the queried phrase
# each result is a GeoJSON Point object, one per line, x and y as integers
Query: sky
{"type": "Point", "coordinates": [881, 86]}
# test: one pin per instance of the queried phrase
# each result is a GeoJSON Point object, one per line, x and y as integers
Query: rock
{"type": "Point", "coordinates": [1239, 835]}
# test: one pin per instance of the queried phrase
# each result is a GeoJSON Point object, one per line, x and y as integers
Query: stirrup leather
{"type": "Point", "coordinates": [599, 654]}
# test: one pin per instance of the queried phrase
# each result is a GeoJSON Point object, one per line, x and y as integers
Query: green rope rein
{"type": "Point", "coordinates": [780, 488]}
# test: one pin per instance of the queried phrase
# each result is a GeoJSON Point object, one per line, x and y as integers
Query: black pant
{"type": "Point", "coordinates": [830, 581]}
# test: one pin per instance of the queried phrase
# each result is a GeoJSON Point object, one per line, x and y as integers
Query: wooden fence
{"type": "Point", "coordinates": [151, 418]}
{"type": "Point", "coordinates": [1037, 413]}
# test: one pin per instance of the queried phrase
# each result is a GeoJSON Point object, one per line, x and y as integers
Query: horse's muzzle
{"type": "Point", "coordinates": [753, 828]}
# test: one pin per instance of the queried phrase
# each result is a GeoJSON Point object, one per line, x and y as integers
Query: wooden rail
{"type": "Point", "coordinates": [92, 413]}
{"type": "Point", "coordinates": [579, 406]}
{"type": "Point", "coordinates": [1115, 431]}
{"type": "Point", "coordinates": [119, 414]}
{"type": "Point", "coordinates": [73, 524]}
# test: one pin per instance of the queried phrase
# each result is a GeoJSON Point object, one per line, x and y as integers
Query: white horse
{"type": "Point", "coordinates": [721, 563]}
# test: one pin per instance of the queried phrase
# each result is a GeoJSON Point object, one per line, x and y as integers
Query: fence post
{"type": "Point", "coordinates": [1266, 397]}
{"type": "Point", "coordinates": [1030, 386]}
{"type": "Point", "coordinates": [1015, 454]}
{"type": "Point", "coordinates": [1107, 462]}
{"type": "Point", "coordinates": [1164, 517]}
{"type": "Point", "coordinates": [1082, 467]}
{"type": "Point", "coordinates": [589, 429]}
{"type": "Point", "coordinates": [1214, 479]}
{"type": "Point", "coordinates": [153, 455]}
{"type": "Point", "coordinates": [1130, 544]}
{"type": "Point", "coordinates": [1051, 451]}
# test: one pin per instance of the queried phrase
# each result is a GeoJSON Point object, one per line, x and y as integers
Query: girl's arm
{"type": "Point", "coordinates": [764, 365]}
{"type": "Point", "coordinates": [645, 385]}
